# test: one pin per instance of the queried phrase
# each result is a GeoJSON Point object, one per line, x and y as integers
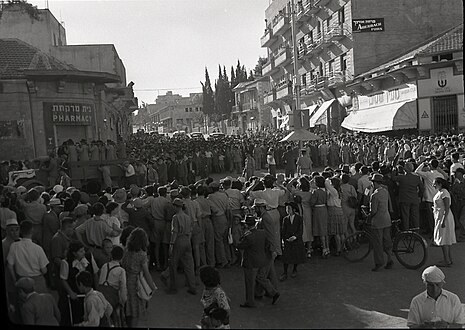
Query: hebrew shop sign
{"type": "Point", "coordinates": [70, 113]}
{"type": "Point", "coordinates": [368, 25]}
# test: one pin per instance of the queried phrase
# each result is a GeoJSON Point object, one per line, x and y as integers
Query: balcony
{"type": "Point", "coordinates": [322, 2]}
{"type": "Point", "coordinates": [269, 97]}
{"type": "Point", "coordinates": [283, 56]}
{"type": "Point", "coordinates": [269, 67]}
{"type": "Point", "coordinates": [339, 77]}
{"type": "Point", "coordinates": [236, 109]}
{"type": "Point", "coordinates": [247, 106]}
{"type": "Point", "coordinates": [338, 32]}
{"type": "Point", "coordinates": [281, 25]}
{"type": "Point", "coordinates": [268, 38]}
{"type": "Point", "coordinates": [283, 89]}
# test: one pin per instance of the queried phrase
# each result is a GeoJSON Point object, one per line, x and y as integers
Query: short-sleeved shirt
{"type": "Point", "coordinates": [270, 195]}
{"type": "Point", "coordinates": [80, 265]}
{"type": "Point", "coordinates": [130, 171]}
{"type": "Point", "coordinates": [447, 307]}
{"type": "Point", "coordinates": [95, 230]}
{"type": "Point", "coordinates": [27, 258]}
{"type": "Point", "coordinates": [182, 224]}
{"type": "Point", "coordinates": [35, 212]}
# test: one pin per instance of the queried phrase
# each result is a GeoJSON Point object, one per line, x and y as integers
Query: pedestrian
{"type": "Point", "coordinates": [97, 310]}
{"type": "Point", "coordinates": [294, 249]}
{"type": "Point", "coordinates": [435, 307]}
{"type": "Point", "coordinates": [444, 227]}
{"type": "Point", "coordinates": [213, 295]}
{"type": "Point", "coordinates": [255, 262]}
{"type": "Point", "coordinates": [206, 224]}
{"type": "Point", "coordinates": [304, 164]}
{"type": "Point", "coordinates": [36, 308]}
{"type": "Point", "coordinates": [27, 259]}
{"type": "Point", "coordinates": [271, 162]}
{"type": "Point", "coordinates": [337, 222]}
{"type": "Point", "coordinates": [180, 250]}
{"type": "Point", "coordinates": [320, 213]}
{"type": "Point", "coordinates": [134, 262]}
{"type": "Point", "coordinates": [380, 223]}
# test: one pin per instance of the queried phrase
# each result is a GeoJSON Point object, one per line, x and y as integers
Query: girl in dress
{"type": "Point", "coordinates": [336, 219]}
{"type": "Point", "coordinates": [320, 214]}
{"type": "Point", "coordinates": [213, 295]}
{"type": "Point", "coordinates": [294, 249]}
{"type": "Point", "coordinates": [444, 226]}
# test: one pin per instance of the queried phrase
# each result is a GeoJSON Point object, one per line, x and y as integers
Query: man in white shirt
{"type": "Point", "coordinates": [129, 174]}
{"type": "Point", "coordinates": [27, 259]}
{"type": "Point", "coordinates": [455, 165]}
{"type": "Point", "coordinates": [435, 307]}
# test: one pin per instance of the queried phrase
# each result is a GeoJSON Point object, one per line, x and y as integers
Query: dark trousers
{"type": "Point", "coordinates": [259, 275]}
{"type": "Point", "coordinates": [270, 272]}
{"type": "Point", "coordinates": [182, 252]}
{"type": "Point", "coordinates": [209, 234]}
{"type": "Point", "coordinates": [220, 226]}
{"type": "Point", "coordinates": [410, 215]}
{"type": "Point", "coordinates": [290, 172]}
{"type": "Point", "coordinates": [428, 223]}
{"type": "Point", "coordinates": [382, 243]}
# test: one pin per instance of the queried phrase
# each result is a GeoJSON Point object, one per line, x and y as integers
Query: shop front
{"type": "Point", "coordinates": [387, 110]}
{"type": "Point", "coordinates": [441, 101]}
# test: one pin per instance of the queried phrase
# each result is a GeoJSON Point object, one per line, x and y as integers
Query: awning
{"type": "Point", "coordinates": [320, 115]}
{"type": "Point", "coordinates": [401, 115]}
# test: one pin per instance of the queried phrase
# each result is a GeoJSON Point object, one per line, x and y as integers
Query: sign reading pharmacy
{"type": "Point", "coordinates": [368, 25]}
{"type": "Point", "coordinates": [71, 113]}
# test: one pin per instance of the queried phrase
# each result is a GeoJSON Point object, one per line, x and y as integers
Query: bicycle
{"type": "Point", "coordinates": [409, 247]}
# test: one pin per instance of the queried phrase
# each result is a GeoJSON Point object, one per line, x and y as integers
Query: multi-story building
{"type": "Point", "coordinates": [39, 28]}
{"type": "Point", "coordinates": [421, 90]}
{"type": "Point", "coordinates": [173, 112]}
{"type": "Point", "coordinates": [249, 111]}
{"type": "Point", "coordinates": [338, 40]}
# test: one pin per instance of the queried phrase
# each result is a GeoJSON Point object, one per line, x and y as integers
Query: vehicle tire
{"type": "Point", "coordinates": [357, 246]}
{"type": "Point", "coordinates": [410, 250]}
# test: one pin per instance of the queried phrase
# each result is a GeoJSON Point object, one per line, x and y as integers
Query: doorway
{"type": "Point", "coordinates": [445, 113]}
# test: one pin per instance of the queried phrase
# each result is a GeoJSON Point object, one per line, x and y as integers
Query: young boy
{"type": "Point", "coordinates": [97, 310]}
{"type": "Point", "coordinates": [112, 282]}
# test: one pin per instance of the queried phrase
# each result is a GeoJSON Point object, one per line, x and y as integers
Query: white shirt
{"type": "Point", "coordinates": [429, 177]}
{"type": "Point", "coordinates": [111, 220]}
{"type": "Point", "coordinates": [116, 279]}
{"type": "Point", "coordinates": [270, 160]}
{"type": "Point", "coordinates": [130, 171]}
{"type": "Point", "coordinates": [271, 196]}
{"type": "Point", "coordinates": [27, 258]}
{"type": "Point", "coordinates": [454, 168]}
{"type": "Point", "coordinates": [447, 307]}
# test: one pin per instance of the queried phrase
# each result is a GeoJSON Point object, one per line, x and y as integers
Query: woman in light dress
{"type": "Point", "coordinates": [444, 226]}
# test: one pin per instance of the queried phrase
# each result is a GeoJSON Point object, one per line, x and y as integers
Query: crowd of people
{"type": "Point", "coordinates": [94, 249]}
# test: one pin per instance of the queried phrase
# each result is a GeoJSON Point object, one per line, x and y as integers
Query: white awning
{"type": "Point", "coordinates": [320, 115]}
{"type": "Point", "coordinates": [401, 115]}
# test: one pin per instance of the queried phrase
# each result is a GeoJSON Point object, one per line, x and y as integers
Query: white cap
{"type": "Point", "coordinates": [12, 222]}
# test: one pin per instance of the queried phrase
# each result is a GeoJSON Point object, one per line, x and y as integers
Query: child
{"type": "Point", "coordinates": [97, 310]}
{"type": "Point", "coordinates": [112, 282]}
{"type": "Point", "coordinates": [236, 233]}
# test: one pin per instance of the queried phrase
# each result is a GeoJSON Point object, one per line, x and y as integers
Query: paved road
{"type": "Point", "coordinates": [326, 294]}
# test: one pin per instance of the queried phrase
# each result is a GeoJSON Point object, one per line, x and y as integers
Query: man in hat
{"type": "Point", "coordinates": [254, 261]}
{"type": "Point", "coordinates": [435, 307]}
{"type": "Point", "coordinates": [380, 223]}
{"type": "Point", "coordinates": [271, 226]}
{"type": "Point", "coordinates": [12, 235]}
{"type": "Point", "coordinates": [289, 159]}
{"type": "Point", "coordinates": [36, 308]}
{"type": "Point", "coordinates": [120, 196]}
{"type": "Point", "coordinates": [51, 223]}
{"type": "Point", "coordinates": [180, 249]}
{"type": "Point", "coordinates": [221, 220]}
{"type": "Point", "coordinates": [304, 164]}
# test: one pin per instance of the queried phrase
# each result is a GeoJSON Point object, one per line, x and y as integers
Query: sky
{"type": "Point", "coordinates": [166, 44]}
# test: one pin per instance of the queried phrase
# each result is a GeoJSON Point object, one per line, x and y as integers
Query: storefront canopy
{"type": "Point", "coordinates": [396, 116]}
{"type": "Point", "coordinates": [320, 114]}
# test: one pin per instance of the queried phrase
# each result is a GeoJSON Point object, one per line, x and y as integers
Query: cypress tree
{"type": "Point", "coordinates": [208, 102]}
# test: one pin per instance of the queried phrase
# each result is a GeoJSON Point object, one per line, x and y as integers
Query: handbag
{"type": "Point", "coordinates": [144, 291]}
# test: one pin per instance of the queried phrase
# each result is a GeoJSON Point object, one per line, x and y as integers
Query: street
{"type": "Point", "coordinates": [329, 293]}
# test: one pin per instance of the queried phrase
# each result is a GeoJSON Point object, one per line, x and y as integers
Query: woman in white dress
{"type": "Point", "coordinates": [444, 226]}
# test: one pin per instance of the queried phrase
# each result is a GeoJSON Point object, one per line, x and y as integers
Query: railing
{"type": "Point", "coordinates": [266, 38]}
{"type": "Point", "coordinates": [283, 55]}
{"type": "Point", "coordinates": [337, 77]}
{"type": "Point", "coordinates": [236, 108]}
{"type": "Point", "coordinates": [269, 97]}
{"type": "Point", "coordinates": [268, 66]}
{"type": "Point", "coordinates": [249, 105]}
{"type": "Point", "coordinates": [337, 32]}
{"type": "Point", "coordinates": [282, 22]}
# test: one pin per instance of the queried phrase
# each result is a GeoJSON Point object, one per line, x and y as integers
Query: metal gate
{"type": "Point", "coordinates": [445, 113]}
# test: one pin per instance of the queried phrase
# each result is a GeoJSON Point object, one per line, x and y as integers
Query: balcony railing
{"type": "Point", "coordinates": [268, 38]}
{"type": "Point", "coordinates": [236, 109]}
{"type": "Point", "coordinates": [339, 77]}
{"type": "Point", "coordinates": [338, 32]}
{"type": "Point", "coordinates": [269, 97]}
{"type": "Point", "coordinates": [283, 89]}
{"type": "Point", "coordinates": [247, 106]}
{"type": "Point", "coordinates": [283, 56]}
{"type": "Point", "coordinates": [281, 25]}
{"type": "Point", "coordinates": [268, 67]}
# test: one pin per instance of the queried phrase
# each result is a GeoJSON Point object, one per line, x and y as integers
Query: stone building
{"type": "Point", "coordinates": [338, 40]}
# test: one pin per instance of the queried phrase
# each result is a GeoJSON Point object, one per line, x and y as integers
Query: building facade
{"type": "Point", "coordinates": [39, 28]}
{"type": "Point", "coordinates": [338, 40]}
{"type": "Point", "coordinates": [173, 112]}
{"type": "Point", "coordinates": [249, 111]}
{"type": "Point", "coordinates": [420, 90]}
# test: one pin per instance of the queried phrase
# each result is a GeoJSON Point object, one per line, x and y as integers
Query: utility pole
{"type": "Point", "coordinates": [296, 84]}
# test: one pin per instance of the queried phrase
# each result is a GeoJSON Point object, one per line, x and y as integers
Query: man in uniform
{"type": "Point", "coordinates": [304, 164]}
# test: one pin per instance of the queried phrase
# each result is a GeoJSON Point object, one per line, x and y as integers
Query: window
{"type": "Point", "coordinates": [187, 109]}
{"type": "Point", "coordinates": [304, 80]}
{"type": "Point", "coordinates": [190, 109]}
{"type": "Point", "coordinates": [442, 57]}
{"type": "Point", "coordinates": [12, 129]}
{"type": "Point", "coordinates": [318, 30]}
{"type": "Point", "coordinates": [312, 75]}
{"type": "Point", "coordinates": [331, 66]}
{"type": "Point", "coordinates": [328, 22]}
{"type": "Point", "coordinates": [343, 60]}
{"type": "Point", "coordinates": [341, 17]}
{"type": "Point", "coordinates": [1, 87]}
{"type": "Point", "coordinates": [321, 69]}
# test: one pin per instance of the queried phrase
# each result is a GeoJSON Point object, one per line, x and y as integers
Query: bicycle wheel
{"type": "Point", "coordinates": [410, 250]}
{"type": "Point", "coordinates": [357, 246]}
